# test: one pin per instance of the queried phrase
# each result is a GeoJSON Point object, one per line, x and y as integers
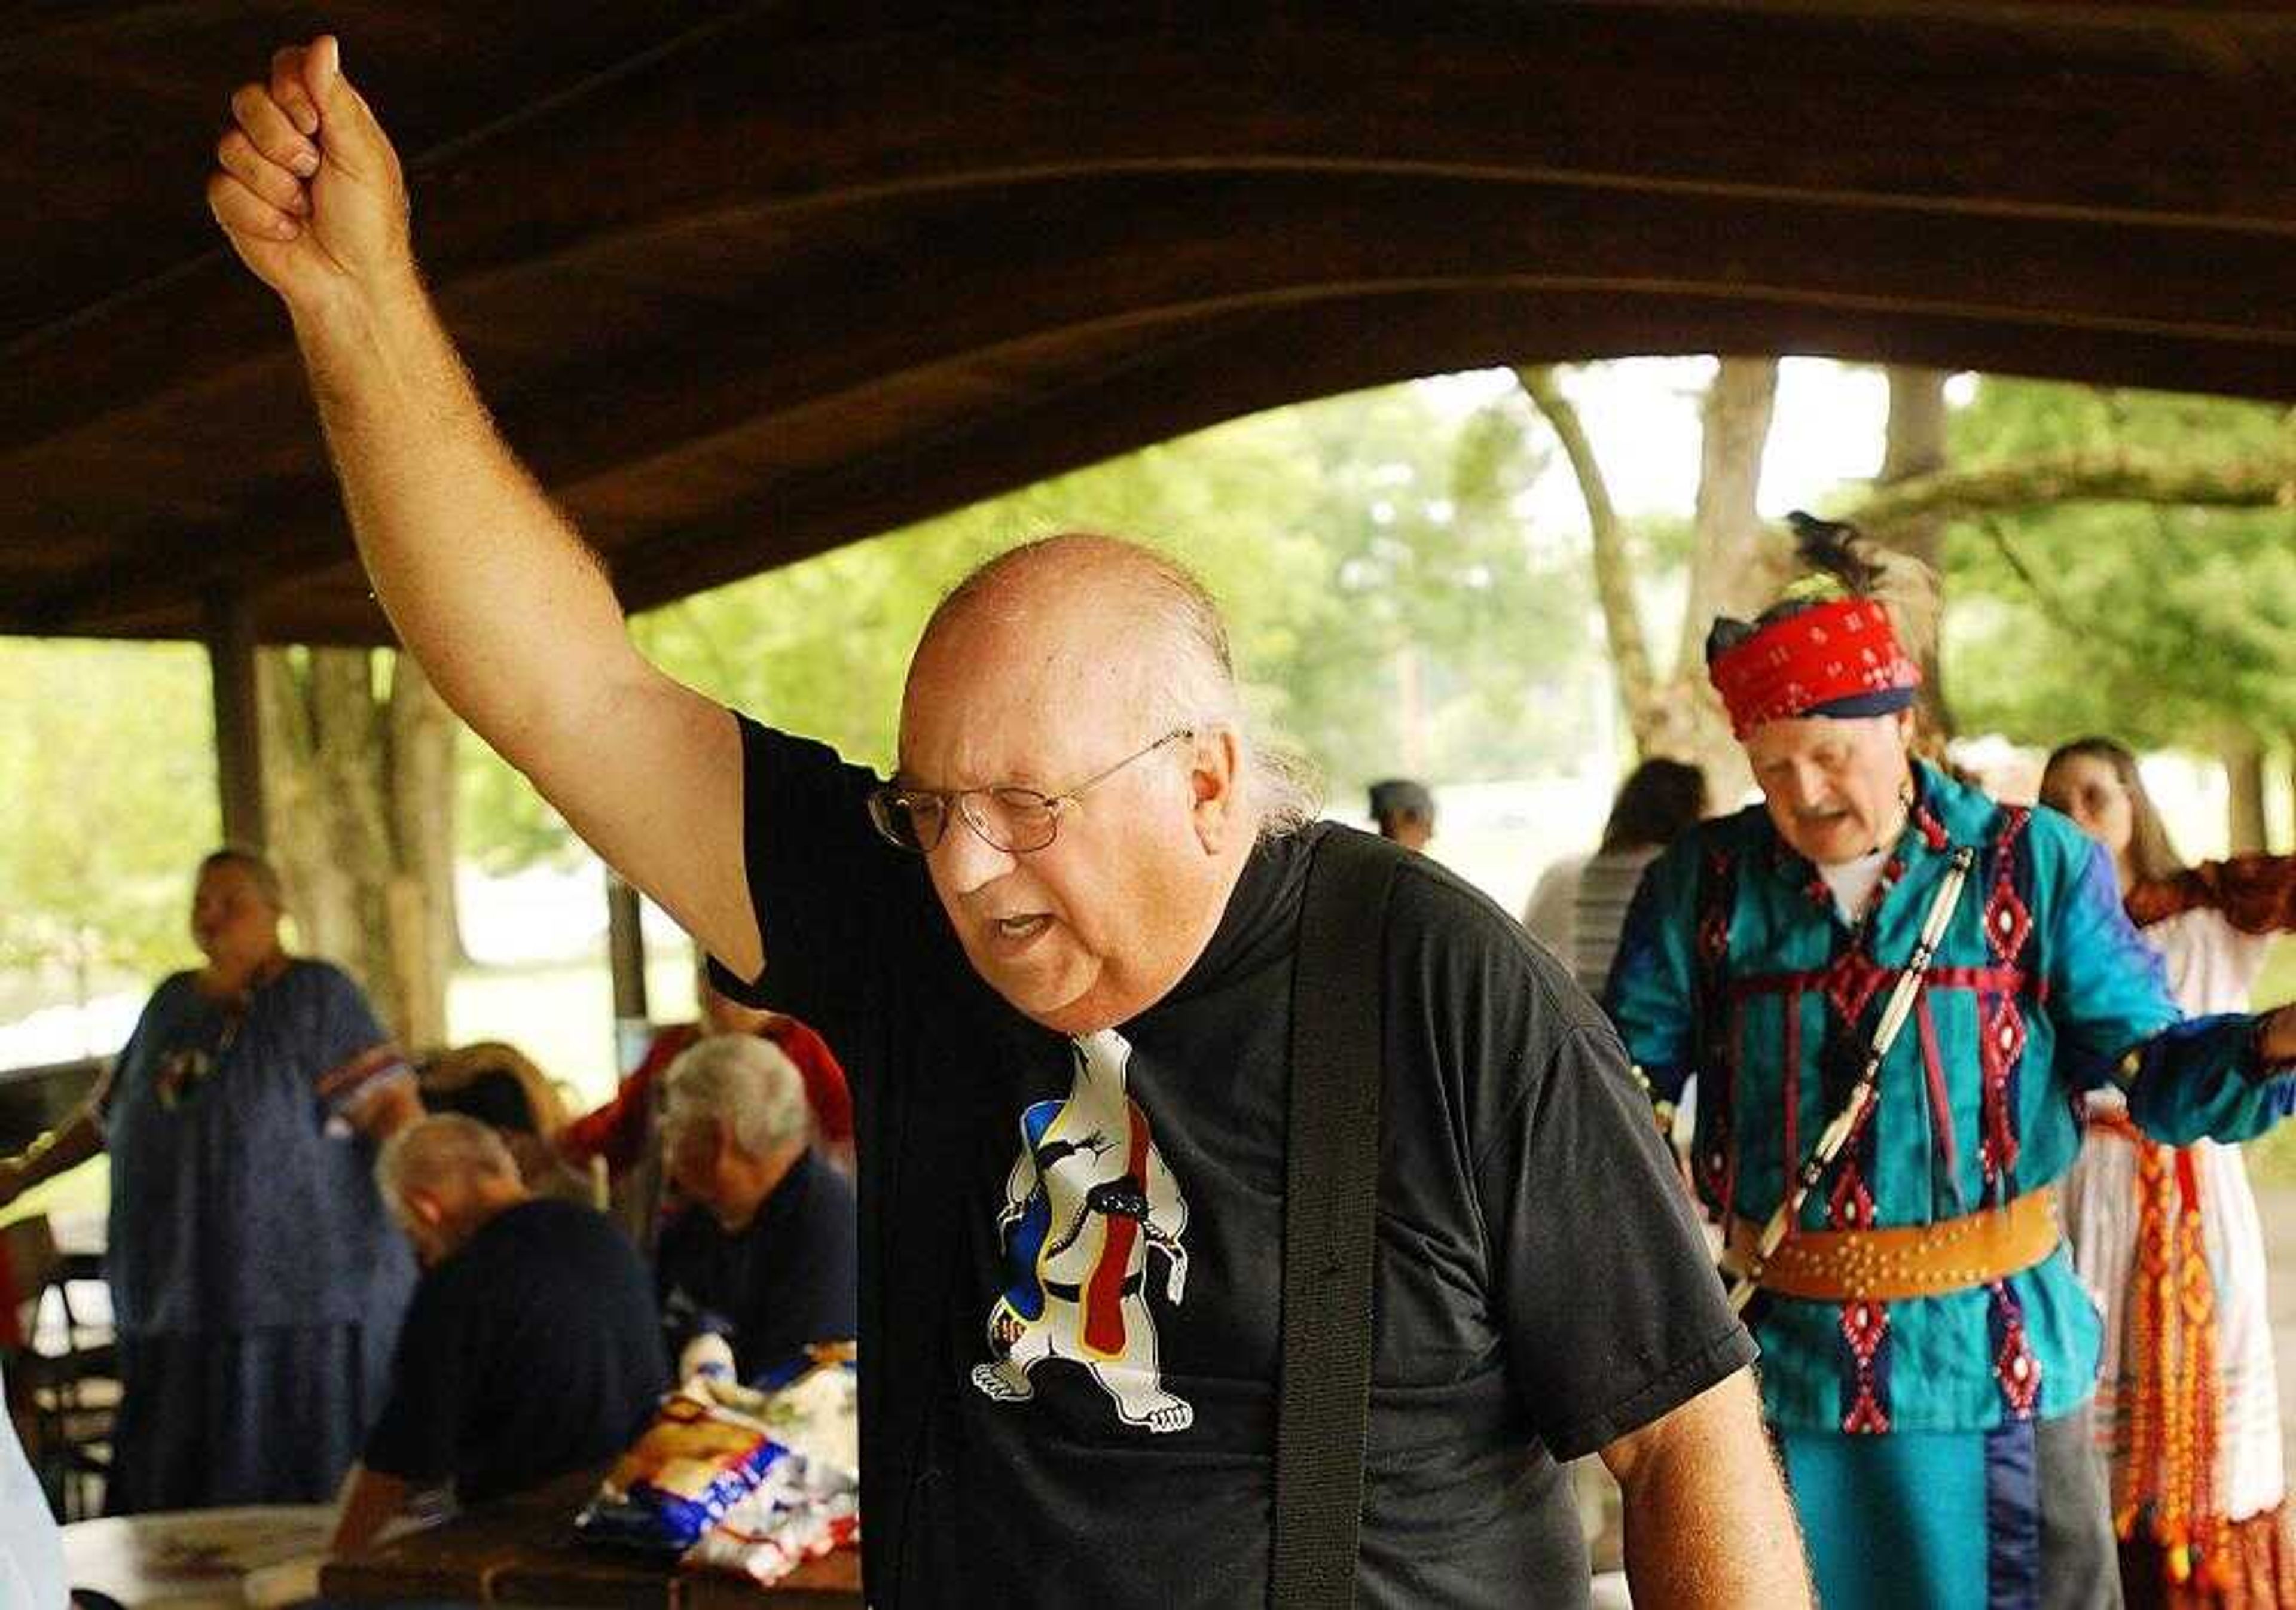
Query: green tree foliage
{"type": "Point", "coordinates": [1391, 609]}
{"type": "Point", "coordinates": [2163, 623]}
{"type": "Point", "coordinates": [1386, 603]}
{"type": "Point", "coordinates": [108, 756]}
{"type": "Point", "coordinates": [1449, 638]}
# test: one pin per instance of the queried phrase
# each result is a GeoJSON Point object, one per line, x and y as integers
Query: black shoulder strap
{"type": "Point", "coordinates": [1331, 1192]}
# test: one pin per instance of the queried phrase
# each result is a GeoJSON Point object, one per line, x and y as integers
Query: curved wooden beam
{"type": "Point", "coordinates": [876, 290]}
{"type": "Point", "coordinates": [2132, 118]}
{"type": "Point", "coordinates": [1059, 203]}
{"type": "Point", "coordinates": [1162, 380]}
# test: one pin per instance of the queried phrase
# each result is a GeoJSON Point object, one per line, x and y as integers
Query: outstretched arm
{"type": "Point", "coordinates": [2226, 1077]}
{"type": "Point", "coordinates": [1708, 1523]}
{"type": "Point", "coordinates": [58, 1151]}
{"type": "Point", "coordinates": [2255, 893]}
{"type": "Point", "coordinates": [507, 610]}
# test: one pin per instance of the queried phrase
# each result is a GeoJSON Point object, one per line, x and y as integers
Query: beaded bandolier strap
{"type": "Point", "coordinates": [1852, 1119]}
{"type": "Point", "coordinates": [1715, 1047]}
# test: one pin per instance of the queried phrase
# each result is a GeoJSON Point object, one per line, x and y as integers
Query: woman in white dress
{"type": "Point", "coordinates": [2167, 1238]}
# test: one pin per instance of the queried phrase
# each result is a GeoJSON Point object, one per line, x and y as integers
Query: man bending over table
{"type": "Point", "coordinates": [531, 1349]}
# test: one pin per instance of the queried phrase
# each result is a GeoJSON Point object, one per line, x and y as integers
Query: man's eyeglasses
{"type": "Point", "coordinates": [1011, 818]}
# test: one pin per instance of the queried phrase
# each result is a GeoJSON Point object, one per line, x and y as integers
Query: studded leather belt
{"type": "Point", "coordinates": [1910, 1260]}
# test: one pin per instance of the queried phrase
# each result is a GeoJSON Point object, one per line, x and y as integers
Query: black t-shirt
{"type": "Point", "coordinates": [532, 1350]}
{"type": "Point", "coordinates": [1070, 1257]}
{"type": "Point", "coordinates": [785, 1280]}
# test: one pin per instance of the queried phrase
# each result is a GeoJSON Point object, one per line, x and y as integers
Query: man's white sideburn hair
{"type": "Point", "coordinates": [1196, 688]}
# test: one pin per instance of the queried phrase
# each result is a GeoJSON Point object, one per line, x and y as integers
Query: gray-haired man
{"type": "Point", "coordinates": [764, 1255]}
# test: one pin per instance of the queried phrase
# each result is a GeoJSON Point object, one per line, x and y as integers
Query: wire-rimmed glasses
{"type": "Point", "coordinates": [1007, 817]}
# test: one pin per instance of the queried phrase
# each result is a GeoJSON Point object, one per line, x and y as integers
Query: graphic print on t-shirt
{"type": "Point", "coordinates": [1087, 1197]}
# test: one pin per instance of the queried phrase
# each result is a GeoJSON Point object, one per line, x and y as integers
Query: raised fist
{"type": "Point", "coordinates": [307, 187]}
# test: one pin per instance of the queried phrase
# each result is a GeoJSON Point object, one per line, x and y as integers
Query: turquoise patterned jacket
{"type": "Point", "coordinates": [1736, 967]}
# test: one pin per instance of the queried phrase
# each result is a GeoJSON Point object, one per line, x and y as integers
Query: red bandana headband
{"type": "Point", "coordinates": [1842, 653]}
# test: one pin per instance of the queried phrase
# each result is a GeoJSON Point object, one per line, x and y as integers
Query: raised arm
{"type": "Point", "coordinates": [484, 581]}
{"type": "Point", "coordinates": [2229, 1077]}
{"type": "Point", "coordinates": [2255, 893]}
{"type": "Point", "coordinates": [57, 1151]}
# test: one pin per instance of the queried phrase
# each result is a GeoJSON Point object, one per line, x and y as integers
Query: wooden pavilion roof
{"type": "Point", "coordinates": [744, 281]}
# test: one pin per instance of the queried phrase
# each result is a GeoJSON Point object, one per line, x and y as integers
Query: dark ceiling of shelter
{"type": "Point", "coordinates": [746, 282]}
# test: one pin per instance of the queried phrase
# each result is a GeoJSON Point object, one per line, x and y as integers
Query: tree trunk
{"type": "Point", "coordinates": [361, 781]}
{"type": "Point", "coordinates": [1737, 565]}
{"type": "Point", "coordinates": [321, 895]}
{"type": "Point", "coordinates": [351, 765]}
{"type": "Point", "coordinates": [1614, 577]}
{"type": "Point", "coordinates": [1916, 447]}
{"type": "Point", "coordinates": [2243, 755]}
{"type": "Point", "coordinates": [422, 793]}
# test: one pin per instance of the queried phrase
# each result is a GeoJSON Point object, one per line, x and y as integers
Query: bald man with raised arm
{"type": "Point", "coordinates": [1056, 950]}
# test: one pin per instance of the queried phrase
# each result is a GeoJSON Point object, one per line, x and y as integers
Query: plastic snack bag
{"type": "Point", "coordinates": [808, 1502]}
{"type": "Point", "coordinates": [697, 1459]}
{"type": "Point", "coordinates": [798, 1512]}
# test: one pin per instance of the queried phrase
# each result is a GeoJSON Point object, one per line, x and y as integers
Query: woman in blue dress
{"type": "Point", "coordinates": [256, 1282]}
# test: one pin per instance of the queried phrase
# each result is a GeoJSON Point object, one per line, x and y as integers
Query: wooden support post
{"type": "Point", "coordinates": [626, 955]}
{"type": "Point", "coordinates": [230, 630]}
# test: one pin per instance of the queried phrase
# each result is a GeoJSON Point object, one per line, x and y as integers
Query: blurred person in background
{"type": "Point", "coordinates": [2188, 1406]}
{"type": "Point", "coordinates": [1580, 901]}
{"type": "Point", "coordinates": [766, 1252]}
{"type": "Point", "coordinates": [256, 1284]}
{"type": "Point", "coordinates": [499, 1085]}
{"type": "Point", "coordinates": [1404, 810]}
{"type": "Point", "coordinates": [622, 1132]}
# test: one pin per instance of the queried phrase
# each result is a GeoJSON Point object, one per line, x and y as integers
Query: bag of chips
{"type": "Point", "coordinates": [798, 1512]}
{"type": "Point", "coordinates": [697, 1458]}
{"type": "Point", "coordinates": [748, 1480]}
{"type": "Point", "coordinates": [808, 1502]}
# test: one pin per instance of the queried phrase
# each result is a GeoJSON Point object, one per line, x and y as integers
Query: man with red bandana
{"type": "Point", "coordinates": [1927, 1352]}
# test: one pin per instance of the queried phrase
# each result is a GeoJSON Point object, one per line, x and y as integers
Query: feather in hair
{"type": "Point", "coordinates": [1842, 561]}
